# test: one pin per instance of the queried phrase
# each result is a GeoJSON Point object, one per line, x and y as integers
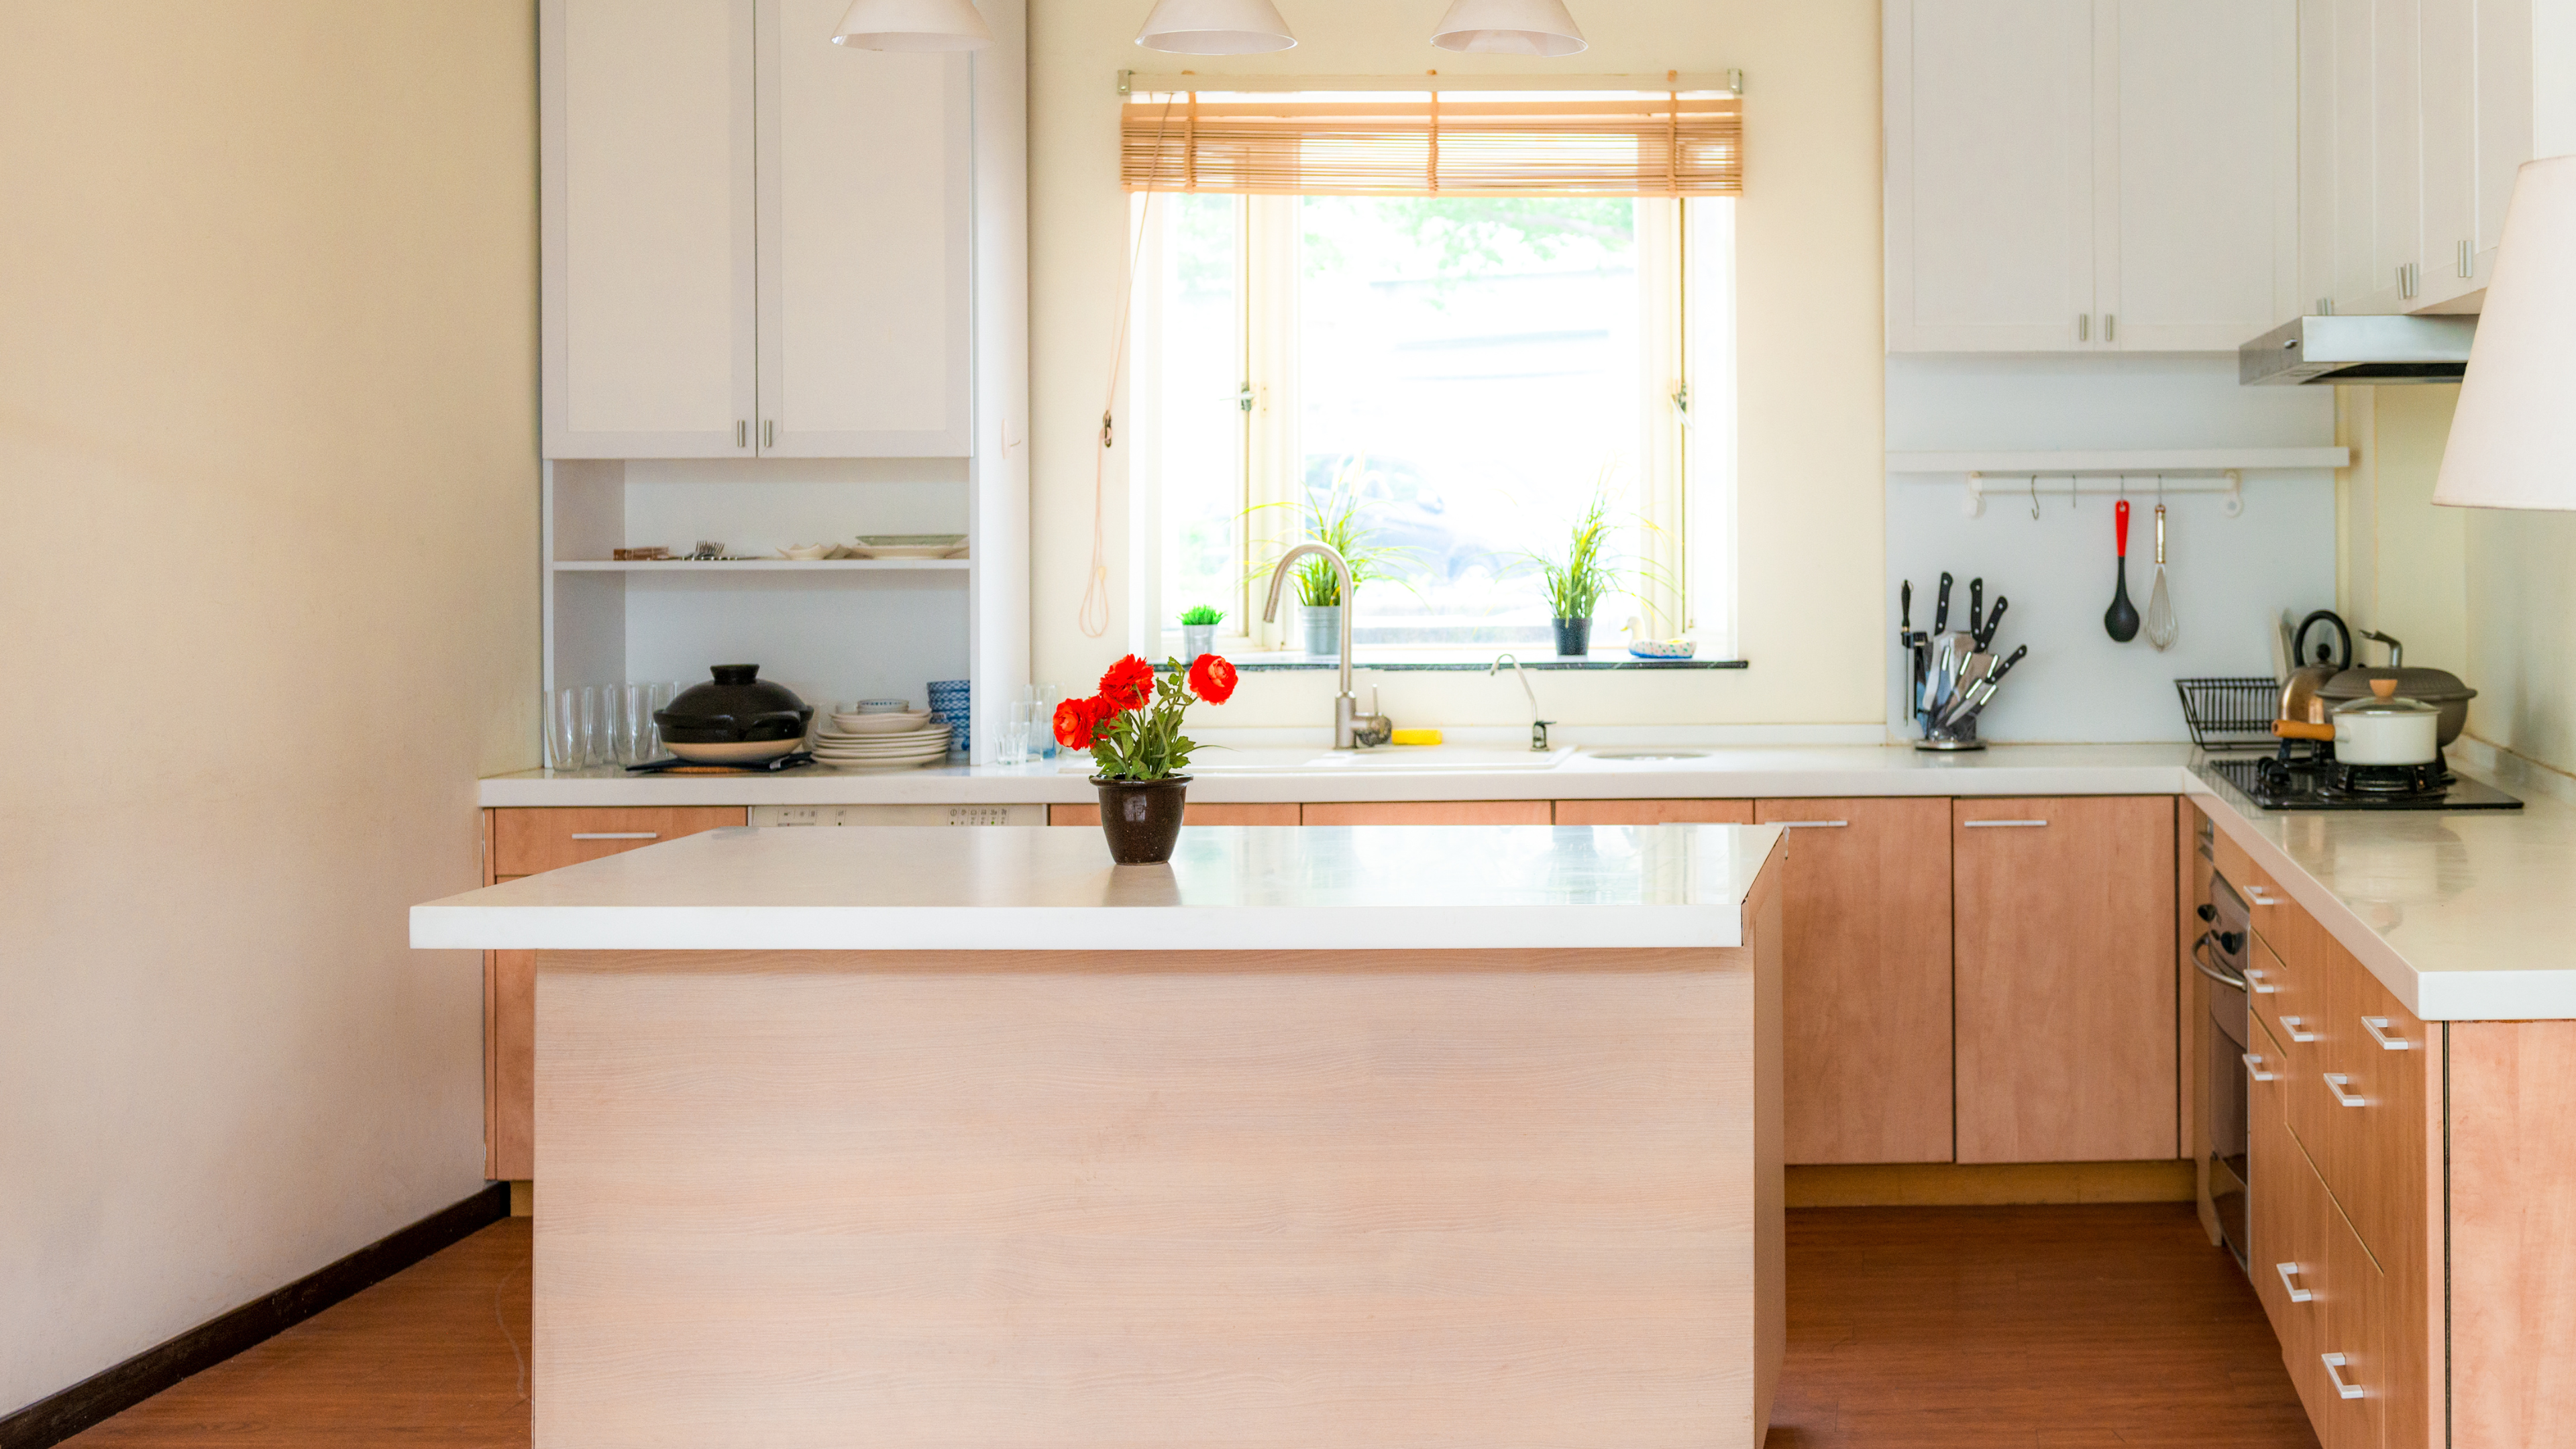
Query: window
{"type": "Point", "coordinates": [1463, 373]}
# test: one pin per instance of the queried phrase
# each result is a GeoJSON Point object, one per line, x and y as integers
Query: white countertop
{"type": "Point", "coordinates": [1322, 888]}
{"type": "Point", "coordinates": [2466, 915]}
{"type": "Point", "coordinates": [1405, 773]}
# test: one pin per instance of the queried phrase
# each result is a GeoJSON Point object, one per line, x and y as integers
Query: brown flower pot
{"type": "Point", "coordinates": [1142, 818]}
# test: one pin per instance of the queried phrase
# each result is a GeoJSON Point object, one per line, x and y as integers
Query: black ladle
{"type": "Point", "coordinates": [2121, 619]}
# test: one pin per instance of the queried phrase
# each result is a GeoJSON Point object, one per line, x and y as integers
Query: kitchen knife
{"type": "Point", "coordinates": [1976, 604]}
{"type": "Point", "coordinates": [1994, 621]}
{"type": "Point", "coordinates": [1976, 699]}
{"type": "Point", "coordinates": [1941, 607]}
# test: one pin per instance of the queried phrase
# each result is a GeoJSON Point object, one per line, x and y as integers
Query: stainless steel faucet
{"type": "Point", "coordinates": [1352, 730]}
{"type": "Point", "coordinates": [1538, 727]}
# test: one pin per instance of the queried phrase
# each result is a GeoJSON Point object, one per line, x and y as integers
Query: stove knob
{"type": "Point", "coordinates": [2207, 914]}
{"type": "Point", "coordinates": [2231, 942]}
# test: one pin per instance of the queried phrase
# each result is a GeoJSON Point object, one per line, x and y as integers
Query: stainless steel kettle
{"type": "Point", "coordinates": [2302, 697]}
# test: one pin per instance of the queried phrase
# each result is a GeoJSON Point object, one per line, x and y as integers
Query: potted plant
{"type": "Point", "coordinates": [1133, 729]}
{"type": "Point", "coordinates": [1332, 517]}
{"type": "Point", "coordinates": [1198, 631]}
{"type": "Point", "coordinates": [1588, 570]}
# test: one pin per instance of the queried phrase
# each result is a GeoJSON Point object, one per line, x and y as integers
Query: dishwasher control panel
{"type": "Point", "coordinates": [898, 815]}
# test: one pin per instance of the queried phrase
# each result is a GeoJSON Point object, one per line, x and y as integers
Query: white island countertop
{"type": "Point", "coordinates": [1364, 888]}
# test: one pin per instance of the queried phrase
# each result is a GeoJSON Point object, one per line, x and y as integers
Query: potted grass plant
{"type": "Point", "coordinates": [1333, 516]}
{"type": "Point", "coordinates": [1139, 755]}
{"type": "Point", "coordinates": [1198, 631]}
{"type": "Point", "coordinates": [1590, 569]}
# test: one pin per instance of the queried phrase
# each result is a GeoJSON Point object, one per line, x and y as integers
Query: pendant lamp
{"type": "Point", "coordinates": [1509, 27]}
{"type": "Point", "coordinates": [1215, 27]}
{"type": "Point", "coordinates": [2513, 436]}
{"type": "Point", "coordinates": [914, 25]}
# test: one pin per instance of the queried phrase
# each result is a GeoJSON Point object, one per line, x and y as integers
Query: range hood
{"type": "Point", "coordinates": [2378, 350]}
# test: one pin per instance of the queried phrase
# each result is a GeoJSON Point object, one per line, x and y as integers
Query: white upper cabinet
{"type": "Point", "coordinates": [647, 203]}
{"type": "Point", "coordinates": [863, 243]}
{"type": "Point", "coordinates": [1989, 175]}
{"type": "Point", "coordinates": [2413, 116]}
{"type": "Point", "coordinates": [755, 241]}
{"type": "Point", "coordinates": [2089, 175]}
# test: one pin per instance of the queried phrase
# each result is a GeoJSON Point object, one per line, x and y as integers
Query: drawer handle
{"type": "Point", "coordinates": [2291, 1023]}
{"type": "Point", "coordinates": [616, 835]}
{"type": "Point", "coordinates": [2289, 1274]}
{"type": "Point", "coordinates": [2259, 982]}
{"type": "Point", "coordinates": [2002, 824]}
{"type": "Point", "coordinates": [2377, 1026]}
{"type": "Point", "coordinates": [2335, 1363]}
{"type": "Point", "coordinates": [2258, 896]}
{"type": "Point", "coordinates": [2335, 1083]}
{"type": "Point", "coordinates": [1811, 824]}
{"type": "Point", "coordinates": [2254, 1068]}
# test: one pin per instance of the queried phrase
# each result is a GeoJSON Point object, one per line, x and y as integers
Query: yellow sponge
{"type": "Point", "coordinates": [1417, 737]}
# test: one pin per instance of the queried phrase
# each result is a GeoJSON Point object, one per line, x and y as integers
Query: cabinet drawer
{"type": "Point", "coordinates": [1659, 812]}
{"type": "Point", "coordinates": [2285, 1209]}
{"type": "Point", "coordinates": [1432, 812]}
{"type": "Point", "coordinates": [2289, 1004]}
{"type": "Point", "coordinates": [1192, 813]}
{"type": "Point", "coordinates": [2373, 1072]}
{"type": "Point", "coordinates": [525, 842]}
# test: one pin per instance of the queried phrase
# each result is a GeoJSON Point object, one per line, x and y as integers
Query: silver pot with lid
{"type": "Point", "coordinates": [2439, 688]}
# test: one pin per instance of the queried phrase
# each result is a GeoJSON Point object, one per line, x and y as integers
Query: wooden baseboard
{"type": "Point", "coordinates": [1946, 1184]}
{"type": "Point", "coordinates": [51, 1420]}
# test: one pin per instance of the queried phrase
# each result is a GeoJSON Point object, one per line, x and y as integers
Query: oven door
{"type": "Point", "coordinates": [2224, 1090]}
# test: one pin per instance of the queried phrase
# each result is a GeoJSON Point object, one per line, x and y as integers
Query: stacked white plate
{"type": "Point", "coordinates": [906, 750]}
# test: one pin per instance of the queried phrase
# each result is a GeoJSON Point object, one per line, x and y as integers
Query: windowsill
{"type": "Point", "coordinates": [1461, 659]}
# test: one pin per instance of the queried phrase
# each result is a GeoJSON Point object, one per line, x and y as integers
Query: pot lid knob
{"type": "Point", "coordinates": [2384, 688]}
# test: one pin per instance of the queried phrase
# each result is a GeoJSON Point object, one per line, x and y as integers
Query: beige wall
{"type": "Point", "coordinates": [1810, 336]}
{"type": "Point", "coordinates": [267, 336]}
{"type": "Point", "coordinates": [2488, 594]}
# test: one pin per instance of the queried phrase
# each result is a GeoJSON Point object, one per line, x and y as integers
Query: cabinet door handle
{"type": "Point", "coordinates": [2254, 1069]}
{"type": "Point", "coordinates": [1811, 824]}
{"type": "Point", "coordinates": [2002, 824]}
{"type": "Point", "coordinates": [2468, 259]}
{"type": "Point", "coordinates": [2335, 1083]}
{"type": "Point", "coordinates": [616, 835]}
{"type": "Point", "coordinates": [2110, 328]}
{"type": "Point", "coordinates": [2258, 896]}
{"type": "Point", "coordinates": [2259, 982]}
{"type": "Point", "coordinates": [2083, 326]}
{"type": "Point", "coordinates": [769, 432]}
{"type": "Point", "coordinates": [2377, 1026]}
{"type": "Point", "coordinates": [2335, 1364]}
{"type": "Point", "coordinates": [742, 432]}
{"type": "Point", "coordinates": [2289, 1274]}
{"type": "Point", "coordinates": [2291, 1024]}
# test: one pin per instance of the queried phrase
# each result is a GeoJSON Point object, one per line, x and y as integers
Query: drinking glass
{"type": "Point", "coordinates": [563, 730]}
{"type": "Point", "coordinates": [1018, 737]}
{"type": "Point", "coordinates": [594, 727]}
{"type": "Point", "coordinates": [635, 725]}
{"type": "Point", "coordinates": [658, 700]}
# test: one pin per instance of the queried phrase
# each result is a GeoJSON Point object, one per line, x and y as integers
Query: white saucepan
{"type": "Point", "coordinates": [2386, 730]}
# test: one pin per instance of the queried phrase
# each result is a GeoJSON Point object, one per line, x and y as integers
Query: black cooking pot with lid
{"type": "Point", "coordinates": [737, 705]}
{"type": "Point", "coordinates": [2439, 688]}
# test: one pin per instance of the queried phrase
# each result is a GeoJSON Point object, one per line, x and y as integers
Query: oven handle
{"type": "Point", "coordinates": [2212, 972]}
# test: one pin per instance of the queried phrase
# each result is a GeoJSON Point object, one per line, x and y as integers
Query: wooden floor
{"type": "Point", "coordinates": [2051, 1327]}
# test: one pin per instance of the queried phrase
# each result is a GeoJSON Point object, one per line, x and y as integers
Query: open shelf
{"type": "Point", "coordinates": [758, 565]}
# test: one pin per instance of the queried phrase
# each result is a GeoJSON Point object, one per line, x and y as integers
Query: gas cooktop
{"type": "Point", "coordinates": [2323, 783]}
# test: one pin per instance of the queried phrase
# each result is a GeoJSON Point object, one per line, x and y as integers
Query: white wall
{"type": "Point", "coordinates": [267, 337]}
{"type": "Point", "coordinates": [1809, 328]}
{"type": "Point", "coordinates": [2226, 576]}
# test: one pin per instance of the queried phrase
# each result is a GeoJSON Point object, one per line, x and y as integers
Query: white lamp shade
{"type": "Point", "coordinates": [2513, 438]}
{"type": "Point", "coordinates": [1215, 27]}
{"type": "Point", "coordinates": [914, 25]}
{"type": "Point", "coordinates": [1509, 27]}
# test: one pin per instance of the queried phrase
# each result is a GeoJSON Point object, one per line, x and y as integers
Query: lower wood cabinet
{"type": "Point", "coordinates": [1432, 812]}
{"type": "Point", "coordinates": [1865, 979]}
{"type": "Point", "coordinates": [1654, 812]}
{"type": "Point", "coordinates": [2064, 929]}
{"type": "Point", "coordinates": [526, 842]}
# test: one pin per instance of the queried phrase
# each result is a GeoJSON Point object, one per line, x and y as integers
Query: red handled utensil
{"type": "Point", "coordinates": [2121, 619]}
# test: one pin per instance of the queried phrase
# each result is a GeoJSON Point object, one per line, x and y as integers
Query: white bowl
{"type": "Point", "coordinates": [807, 552]}
{"type": "Point", "coordinates": [880, 724]}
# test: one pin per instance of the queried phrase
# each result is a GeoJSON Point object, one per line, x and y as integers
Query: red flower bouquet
{"type": "Point", "coordinates": [1132, 727]}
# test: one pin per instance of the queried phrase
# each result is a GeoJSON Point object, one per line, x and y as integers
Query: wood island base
{"type": "Point", "coordinates": [1235, 1198]}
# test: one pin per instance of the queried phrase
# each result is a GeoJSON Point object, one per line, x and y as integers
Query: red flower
{"type": "Point", "coordinates": [1077, 720]}
{"type": "Point", "coordinates": [1211, 678]}
{"type": "Point", "coordinates": [1128, 684]}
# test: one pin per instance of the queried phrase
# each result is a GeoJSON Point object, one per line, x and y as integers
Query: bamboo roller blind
{"type": "Point", "coordinates": [1425, 144]}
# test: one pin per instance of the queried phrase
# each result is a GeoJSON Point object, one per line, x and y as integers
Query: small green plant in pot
{"type": "Point", "coordinates": [1198, 632]}
{"type": "Point", "coordinates": [1332, 517]}
{"type": "Point", "coordinates": [1590, 569]}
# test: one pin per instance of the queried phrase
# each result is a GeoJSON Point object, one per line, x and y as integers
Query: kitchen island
{"type": "Point", "coordinates": [1354, 1136]}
